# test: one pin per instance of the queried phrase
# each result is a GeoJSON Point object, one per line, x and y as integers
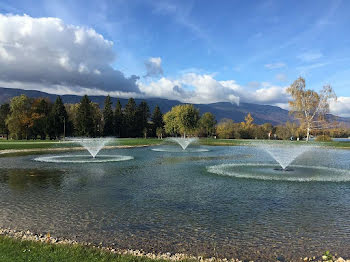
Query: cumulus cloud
{"type": "Point", "coordinates": [154, 67]}
{"type": "Point", "coordinates": [48, 52]}
{"type": "Point", "coordinates": [341, 107]}
{"type": "Point", "coordinates": [204, 88]}
{"type": "Point", "coordinates": [275, 65]}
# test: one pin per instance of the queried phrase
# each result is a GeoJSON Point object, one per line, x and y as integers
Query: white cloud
{"type": "Point", "coordinates": [341, 107]}
{"type": "Point", "coordinates": [275, 65]}
{"type": "Point", "coordinates": [48, 52]}
{"type": "Point", "coordinates": [310, 56]}
{"type": "Point", "coordinates": [204, 88]}
{"type": "Point", "coordinates": [154, 67]}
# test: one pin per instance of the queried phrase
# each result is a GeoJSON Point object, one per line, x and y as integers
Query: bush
{"type": "Point", "coordinates": [323, 138]}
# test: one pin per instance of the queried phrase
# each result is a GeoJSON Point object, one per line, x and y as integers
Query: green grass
{"type": "Point", "coordinates": [39, 144]}
{"type": "Point", "coordinates": [18, 250]}
{"type": "Point", "coordinates": [138, 141]}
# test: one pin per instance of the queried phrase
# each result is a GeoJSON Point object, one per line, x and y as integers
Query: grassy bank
{"type": "Point", "coordinates": [20, 250]}
{"type": "Point", "coordinates": [238, 142]}
{"type": "Point", "coordinates": [39, 144]}
{"type": "Point", "coordinates": [46, 144]}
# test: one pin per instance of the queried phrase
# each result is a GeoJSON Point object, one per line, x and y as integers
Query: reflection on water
{"type": "Point", "coordinates": [31, 179]}
{"type": "Point", "coordinates": [168, 202]}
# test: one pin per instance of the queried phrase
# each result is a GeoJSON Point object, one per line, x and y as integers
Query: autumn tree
{"type": "Point", "coordinates": [226, 129]}
{"type": "Point", "coordinates": [247, 127]}
{"type": "Point", "coordinates": [308, 106]}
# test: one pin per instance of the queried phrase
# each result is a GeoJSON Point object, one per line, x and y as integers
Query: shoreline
{"type": "Point", "coordinates": [48, 239]}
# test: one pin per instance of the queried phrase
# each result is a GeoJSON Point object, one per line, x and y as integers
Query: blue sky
{"type": "Point", "coordinates": [257, 44]}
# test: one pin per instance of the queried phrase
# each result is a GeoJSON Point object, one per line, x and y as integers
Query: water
{"type": "Point", "coordinates": [184, 142]}
{"type": "Point", "coordinates": [82, 159]}
{"type": "Point", "coordinates": [169, 202]}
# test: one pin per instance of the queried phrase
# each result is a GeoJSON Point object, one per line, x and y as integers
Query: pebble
{"type": "Point", "coordinates": [27, 235]}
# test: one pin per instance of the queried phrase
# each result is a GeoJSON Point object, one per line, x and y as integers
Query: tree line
{"type": "Point", "coordinates": [33, 118]}
{"type": "Point", "coordinates": [39, 118]}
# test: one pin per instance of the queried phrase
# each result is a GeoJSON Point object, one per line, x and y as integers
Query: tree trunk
{"type": "Point", "coordinates": [308, 133]}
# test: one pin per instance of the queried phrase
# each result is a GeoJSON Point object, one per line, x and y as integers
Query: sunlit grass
{"type": "Point", "coordinates": [18, 250]}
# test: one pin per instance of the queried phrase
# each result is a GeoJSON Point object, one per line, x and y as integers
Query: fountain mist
{"type": "Point", "coordinates": [93, 145]}
{"type": "Point", "coordinates": [183, 142]}
{"type": "Point", "coordinates": [284, 154]}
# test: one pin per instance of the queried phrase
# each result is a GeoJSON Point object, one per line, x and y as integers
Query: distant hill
{"type": "Point", "coordinates": [261, 113]}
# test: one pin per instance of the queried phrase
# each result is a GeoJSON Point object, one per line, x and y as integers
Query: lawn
{"type": "Point", "coordinates": [238, 142]}
{"type": "Point", "coordinates": [39, 144]}
{"type": "Point", "coordinates": [19, 250]}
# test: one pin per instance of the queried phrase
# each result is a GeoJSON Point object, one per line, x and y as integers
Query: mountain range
{"type": "Point", "coordinates": [261, 113]}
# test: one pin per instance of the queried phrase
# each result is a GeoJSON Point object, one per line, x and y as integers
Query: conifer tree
{"type": "Point", "coordinates": [108, 128]}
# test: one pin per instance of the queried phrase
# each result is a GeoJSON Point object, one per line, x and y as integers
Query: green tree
{"type": "Point", "coordinates": [97, 120]}
{"type": "Point", "coordinates": [4, 113]}
{"type": "Point", "coordinates": [188, 117]}
{"type": "Point", "coordinates": [58, 119]}
{"type": "Point", "coordinates": [207, 123]}
{"type": "Point", "coordinates": [182, 119]}
{"type": "Point", "coordinates": [157, 120]}
{"type": "Point", "coordinates": [85, 119]}
{"type": "Point", "coordinates": [118, 119]}
{"type": "Point", "coordinates": [171, 124]}
{"type": "Point", "coordinates": [131, 129]}
{"type": "Point", "coordinates": [108, 119]}
{"type": "Point", "coordinates": [308, 106]}
{"type": "Point", "coordinates": [142, 116]}
{"type": "Point", "coordinates": [40, 113]}
{"type": "Point", "coordinates": [19, 121]}
{"type": "Point", "coordinates": [160, 132]}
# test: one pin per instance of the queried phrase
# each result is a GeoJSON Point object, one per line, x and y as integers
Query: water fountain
{"type": "Point", "coordinates": [93, 146]}
{"type": "Point", "coordinates": [283, 154]}
{"type": "Point", "coordinates": [184, 143]}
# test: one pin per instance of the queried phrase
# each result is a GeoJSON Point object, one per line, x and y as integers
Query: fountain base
{"type": "Point", "coordinates": [299, 173]}
{"type": "Point", "coordinates": [283, 169]}
{"type": "Point", "coordinates": [83, 159]}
